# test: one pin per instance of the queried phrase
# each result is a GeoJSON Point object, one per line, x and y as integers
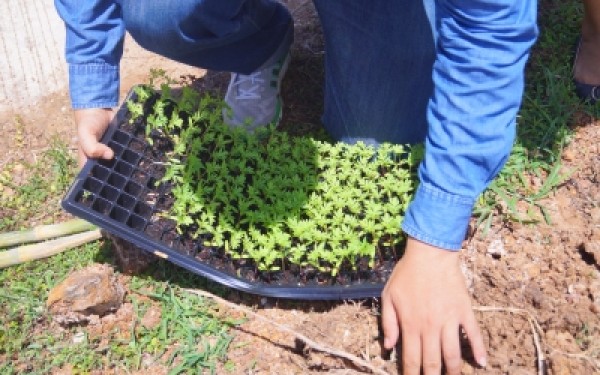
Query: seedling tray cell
{"type": "Point", "coordinates": [124, 197]}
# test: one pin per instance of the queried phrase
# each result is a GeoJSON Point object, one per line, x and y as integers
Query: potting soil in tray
{"type": "Point", "coordinates": [126, 196]}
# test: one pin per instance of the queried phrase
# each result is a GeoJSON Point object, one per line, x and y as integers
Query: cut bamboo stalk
{"type": "Point", "coordinates": [44, 232]}
{"type": "Point", "coordinates": [41, 250]}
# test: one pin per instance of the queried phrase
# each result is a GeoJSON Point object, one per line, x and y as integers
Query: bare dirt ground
{"type": "Point", "coordinates": [536, 288]}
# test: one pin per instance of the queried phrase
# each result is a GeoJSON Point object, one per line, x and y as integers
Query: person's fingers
{"type": "Point", "coordinates": [451, 349]}
{"type": "Point", "coordinates": [389, 323]}
{"type": "Point", "coordinates": [411, 352]}
{"type": "Point", "coordinates": [100, 151]}
{"type": "Point", "coordinates": [91, 124]}
{"type": "Point", "coordinates": [475, 339]}
{"type": "Point", "coordinates": [94, 149]}
{"type": "Point", "coordinates": [431, 352]}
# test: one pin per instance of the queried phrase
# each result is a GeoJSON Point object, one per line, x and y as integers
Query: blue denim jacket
{"type": "Point", "coordinates": [481, 50]}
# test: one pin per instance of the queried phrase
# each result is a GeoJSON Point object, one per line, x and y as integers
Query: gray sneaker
{"type": "Point", "coordinates": [255, 99]}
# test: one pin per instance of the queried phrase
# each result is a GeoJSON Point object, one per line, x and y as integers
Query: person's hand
{"type": "Point", "coordinates": [91, 125]}
{"type": "Point", "coordinates": [426, 302]}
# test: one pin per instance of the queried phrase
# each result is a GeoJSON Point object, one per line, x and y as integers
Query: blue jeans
{"type": "Point", "coordinates": [378, 59]}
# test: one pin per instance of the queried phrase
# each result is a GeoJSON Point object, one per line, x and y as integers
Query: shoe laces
{"type": "Point", "coordinates": [248, 85]}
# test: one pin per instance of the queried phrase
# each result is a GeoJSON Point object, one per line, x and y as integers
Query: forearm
{"type": "Point", "coordinates": [591, 19]}
{"type": "Point", "coordinates": [94, 46]}
{"type": "Point", "coordinates": [478, 77]}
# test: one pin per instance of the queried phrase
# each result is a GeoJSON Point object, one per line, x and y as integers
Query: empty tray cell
{"type": "Point", "coordinates": [109, 193]}
{"type": "Point", "coordinates": [117, 148]}
{"type": "Point", "coordinates": [91, 184]}
{"type": "Point", "coordinates": [121, 137]}
{"type": "Point", "coordinates": [100, 172]}
{"type": "Point", "coordinates": [102, 205]}
{"type": "Point", "coordinates": [107, 163]}
{"type": "Point", "coordinates": [131, 157]}
{"type": "Point", "coordinates": [119, 214]}
{"type": "Point", "coordinates": [124, 169]}
{"type": "Point", "coordinates": [132, 188]}
{"type": "Point", "coordinates": [143, 210]}
{"type": "Point", "coordinates": [136, 223]}
{"type": "Point", "coordinates": [126, 201]}
{"type": "Point", "coordinates": [137, 146]}
{"type": "Point", "coordinates": [116, 180]}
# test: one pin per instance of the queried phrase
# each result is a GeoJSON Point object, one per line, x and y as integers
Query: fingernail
{"type": "Point", "coordinates": [482, 362]}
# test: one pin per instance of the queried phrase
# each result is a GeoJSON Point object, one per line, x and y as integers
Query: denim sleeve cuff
{"type": "Point", "coordinates": [94, 85]}
{"type": "Point", "coordinates": [438, 218]}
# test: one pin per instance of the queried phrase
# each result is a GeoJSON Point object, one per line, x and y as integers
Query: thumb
{"type": "Point", "coordinates": [94, 149]}
{"type": "Point", "coordinates": [90, 148]}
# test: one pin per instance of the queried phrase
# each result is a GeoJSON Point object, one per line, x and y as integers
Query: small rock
{"type": "Point", "coordinates": [496, 249]}
{"type": "Point", "coordinates": [91, 292]}
{"type": "Point", "coordinates": [78, 338]}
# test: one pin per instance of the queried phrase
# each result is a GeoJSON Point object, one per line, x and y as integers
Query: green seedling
{"type": "Point", "coordinates": [276, 199]}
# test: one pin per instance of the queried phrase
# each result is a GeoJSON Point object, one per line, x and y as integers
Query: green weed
{"type": "Point", "coordinates": [35, 196]}
{"type": "Point", "coordinates": [190, 336]}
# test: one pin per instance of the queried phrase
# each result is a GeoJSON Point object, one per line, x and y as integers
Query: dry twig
{"type": "Point", "coordinates": [312, 344]}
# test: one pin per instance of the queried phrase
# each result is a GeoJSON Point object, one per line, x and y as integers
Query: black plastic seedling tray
{"type": "Point", "coordinates": [121, 196]}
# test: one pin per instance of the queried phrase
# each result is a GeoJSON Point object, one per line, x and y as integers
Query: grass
{"type": "Point", "coordinates": [30, 192]}
{"type": "Point", "coordinates": [189, 336]}
{"type": "Point", "coordinates": [546, 121]}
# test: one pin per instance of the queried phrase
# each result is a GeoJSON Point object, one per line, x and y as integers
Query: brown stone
{"type": "Point", "coordinates": [93, 290]}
